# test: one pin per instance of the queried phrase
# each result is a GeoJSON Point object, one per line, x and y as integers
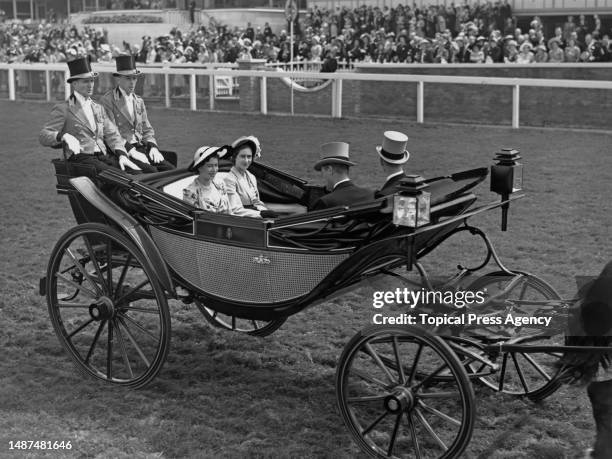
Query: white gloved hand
{"type": "Point", "coordinates": [156, 155]}
{"type": "Point", "coordinates": [138, 156]}
{"type": "Point", "coordinates": [125, 161]}
{"type": "Point", "coordinates": [72, 142]}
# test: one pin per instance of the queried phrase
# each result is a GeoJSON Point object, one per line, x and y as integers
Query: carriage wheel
{"type": "Point", "coordinates": [392, 398]}
{"type": "Point", "coordinates": [534, 375]}
{"type": "Point", "coordinates": [115, 324]}
{"type": "Point", "coordinates": [237, 324]}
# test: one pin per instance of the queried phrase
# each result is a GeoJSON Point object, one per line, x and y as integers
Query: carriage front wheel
{"type": "Point", "coordinates": [394, 400]}
{"type": "Point", "coordinates": [107, 306]}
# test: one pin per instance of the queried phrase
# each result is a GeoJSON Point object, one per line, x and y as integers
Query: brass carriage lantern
{"type": "Point", "coordinates": [506, 178]}
{"type": "Point", "coordinates": [411, 204]}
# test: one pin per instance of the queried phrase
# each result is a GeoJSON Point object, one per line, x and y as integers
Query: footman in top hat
{"type": "Point", "coordinates": [83, 127]}
{"type": "Point", "coordinates": [393, 155]}
{"type": "Point", "coordinates": [334, 166]}
{"type": "Point", "coordinates": [128, 112]}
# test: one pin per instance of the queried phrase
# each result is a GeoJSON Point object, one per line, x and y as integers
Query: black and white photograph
{"type": "Point", "coordinates": [306, 229]}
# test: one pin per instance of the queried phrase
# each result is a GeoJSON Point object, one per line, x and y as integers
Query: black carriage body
{"type": "Point", "coordinates": [262, 269]}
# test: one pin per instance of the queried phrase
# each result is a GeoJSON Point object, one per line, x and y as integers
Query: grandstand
{"type": "Point", "coordinates": [58, 9]}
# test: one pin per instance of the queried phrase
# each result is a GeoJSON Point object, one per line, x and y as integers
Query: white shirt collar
{"type": "Point", "coordinates": [393, 175]}
{"type": "Point", "coordinates": [125, 94]}
{"type": "Point", "coordinates": [84, 101]}
{"type": "Point", "coordinates": [341, 181]}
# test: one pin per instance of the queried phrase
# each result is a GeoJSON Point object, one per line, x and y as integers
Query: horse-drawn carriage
{"type": "Point", "coordinates": [402, 391]}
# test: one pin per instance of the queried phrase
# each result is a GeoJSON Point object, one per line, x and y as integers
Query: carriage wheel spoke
{"type": "Point", "coordinates": [139, 326]}
{"type": "Point", "coordinates": [439, 413]}
{"type": "Point", "coordinates": [370, 379]}
{"type": "Point", "coordinates": [109, 355]}
{"type": "Point", "coordinates": [133, 341]}
{"type": "Point", "coordinates": [84, 272]}
{"type": "Point", "coordinates": [430, 395]}
{"type": "Point", "coordinates": [92, 257]}
{"type": "Point", "coordinates": [109, 264]}
{"type": "Point", "coordinates": [431, 376]}
{"type": "Point", "coordinates": [81, 327]}
{"type": "Point", "coordinates": [398, 421]}
{"type": "Point", "coordinates": [537, 366]}
{"type": "Point", "coordinates": [94, 342]}
{"type": "Point", "coordinates": [415, 364]}
{"type": "Point", "coordinates": [255, 324]}
{"type": "Point", "coordinates": [502, 373]}
{"type": "Point", "coordinates": [413, 434]}
{"type": "Point", "coordinates": [365, 399]}
{"type": "Point", "coordinates": [398, 362]}
{"type": "Point", "coordinates": [139, 309]}
{"type": "Point", "coordinates": [374, 424]}
{"type": "Point", "coordinates": [519, 371]}
{"type": "Point", "coordinates": [79, 287]}
{"type": "Point", "coordinates": [68, 304]}
{"type": "Point", "coordinates": [124, 355]}
{"type": "Point", "coordinates": [372, 353]}
{"type": "Point", "coordinates": [132, 290]}
{"type": "Point", "coordinates": [123, 273]}
{"type": "Point", "coordinates": [429, 429]}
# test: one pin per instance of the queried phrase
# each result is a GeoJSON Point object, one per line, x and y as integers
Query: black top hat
{"type": "Point", "coordinates": [80, 69]}
{"type": "Point", "coordinates": [126, 66]}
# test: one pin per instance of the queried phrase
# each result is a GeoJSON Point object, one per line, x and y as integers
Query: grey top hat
{"type": "Point", "coordinates": [393, 149]}
{"type": "Point", "coordinates": [80, 69]}
{"type": "Point", "coordinates": [334, 153]}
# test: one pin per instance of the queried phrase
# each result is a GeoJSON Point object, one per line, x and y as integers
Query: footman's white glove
{"type": "Point", "coordinates": [156, 155]}
{"type": "Point", "coordinates": [138, 156]}
{"type": "Point", "coordinates": [125, 161]}
{"type": "Point", "coordinates": [73, 143]}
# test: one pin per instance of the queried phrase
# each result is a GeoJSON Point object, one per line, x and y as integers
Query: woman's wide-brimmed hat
{"type": "Point", "coordinates": [203, 153]}
{"type": "Point", "coordinates": [334, 153]}
{"type": "Point", "coordinates": [80, 69]}
{"type": "Point", "coordinates": [393, 148]}
{"type": "Point", "coordinates": [249, 140]}
{"type": "Point", "coordinates": [126, 66]}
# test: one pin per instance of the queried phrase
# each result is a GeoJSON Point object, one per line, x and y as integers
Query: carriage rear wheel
{"type": "Point", "coordinates": [238, 324]}
{"type": "Point", "coordinates": [534, 375]}
{"type": "Point", "coordinates": [393, 399]}
{"type": "Point", "coordinates": [107, 306]}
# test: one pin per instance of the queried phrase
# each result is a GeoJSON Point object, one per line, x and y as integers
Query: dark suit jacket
{"type": "Point", "coordinates": [390, 185]}
{"type": "Point", "coordinates": [344, 194]}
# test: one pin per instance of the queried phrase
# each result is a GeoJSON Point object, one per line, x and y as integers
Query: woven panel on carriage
{"type": "Point", "coordinates": [242, 274]}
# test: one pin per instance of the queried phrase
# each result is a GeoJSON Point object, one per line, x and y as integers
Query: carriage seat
{"type": "Point", "coordinates": [176, 189]}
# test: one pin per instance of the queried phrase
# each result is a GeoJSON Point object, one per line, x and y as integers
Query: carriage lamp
{"type": "Point", "coordinates": [506, 178]}
{"type": "Point", "coordinates": [411, 208]}
{"type": "Point", "coordinates": [411, 204]}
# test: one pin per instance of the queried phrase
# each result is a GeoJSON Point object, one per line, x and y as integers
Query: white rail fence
{"type": "Point", "coordinates": [337, 79]}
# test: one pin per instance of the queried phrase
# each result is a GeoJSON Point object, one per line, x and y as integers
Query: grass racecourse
{"type": "Point", "coordinates": [221, 395]}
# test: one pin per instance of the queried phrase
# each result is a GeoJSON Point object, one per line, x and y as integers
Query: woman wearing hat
{"type": "Point", "coordinates": [205, 192]}
{"type": "Point", "coordinates": [240, 184]}
{"type": "Point", "coordinates": [525, 55]}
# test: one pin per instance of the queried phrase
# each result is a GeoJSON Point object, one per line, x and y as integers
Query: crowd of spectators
{"type": "Point", "coordinates": [477, 33]}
